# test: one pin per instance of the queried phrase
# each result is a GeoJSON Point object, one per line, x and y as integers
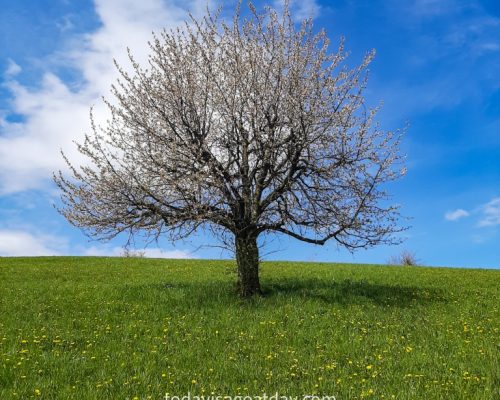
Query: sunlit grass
{"type": "Point", "coordinates": [110, 328]}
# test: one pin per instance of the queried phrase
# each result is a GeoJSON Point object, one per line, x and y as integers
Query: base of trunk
{"type": "Point", "coordinates": [247, 258]}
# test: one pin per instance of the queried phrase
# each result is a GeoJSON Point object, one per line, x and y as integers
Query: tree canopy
{"type": "Point", "coordinates": [248, 128]}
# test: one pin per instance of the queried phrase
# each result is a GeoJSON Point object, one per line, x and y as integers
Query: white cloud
{"type": "Point", "coordinates": [148, 252]}
{"type": "Point", "coordinates": [22, 243]}
{"type": "Point", "coordinates": [456, 214]}
{"type": "Point", "coordinates": [56, 113]}
{"type": "Point", "coordinates": [491, 213]}
{"type": "Point", "coordinates": [301, 9]}
{"type": "Point", "coordinates": [12, 69]}
{"type": "Point", "coordinates": [159, 253]}
{"type": "Point", "coordinates": [432, 8]}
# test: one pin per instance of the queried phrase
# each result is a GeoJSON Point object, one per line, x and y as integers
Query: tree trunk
{"type": "Point", "coordinates": [247, 258]}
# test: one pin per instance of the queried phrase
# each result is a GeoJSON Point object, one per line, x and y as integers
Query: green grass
{"type": "Point", "coordinates": [110, 328]}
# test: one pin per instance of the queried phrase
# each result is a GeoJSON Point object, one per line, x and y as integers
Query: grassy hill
{"type": "Point", "coordinates": [111, 328]}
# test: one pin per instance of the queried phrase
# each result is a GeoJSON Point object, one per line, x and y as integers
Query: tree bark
{"type": "Point", "coordinates": [247, 259]}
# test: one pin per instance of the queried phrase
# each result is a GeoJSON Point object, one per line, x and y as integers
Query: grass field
{"type": "Point", "coordinates": [110, 328]}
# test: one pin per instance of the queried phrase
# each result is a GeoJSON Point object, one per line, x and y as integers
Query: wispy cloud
{"type": "Point", "coordinates": [12, 69]}
{"type": "Point", "coordinates": [490, 213]}
{"type": "Point", "coordinates": [433, 8]}
{"type": "Point", "coordinates": [455, 54]}
{"type": "Point", "coordinates": [66, 23]}
{"type": "Point", "coordinates": [485, 215]}
{"type": "Point", "coordinates": [488, 47]}
{"type": "Point", "coordinates": [456, 214]}
{"type": "Point", "coordinates": [301, 9]}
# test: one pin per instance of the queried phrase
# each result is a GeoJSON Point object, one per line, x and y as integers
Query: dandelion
{"type": "Point", "coordinates": [38, 392]}
{"type": "Point", "coordinates": [368, 367]}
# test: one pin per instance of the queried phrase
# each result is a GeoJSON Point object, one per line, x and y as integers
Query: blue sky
{"type": "Point", "coordinates": [437, 70]}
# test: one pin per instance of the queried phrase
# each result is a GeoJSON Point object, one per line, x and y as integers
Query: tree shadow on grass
{"type": "Point", "coordinates": [344, 292]}
{"type": "Point", "coordinates": [356, 292]}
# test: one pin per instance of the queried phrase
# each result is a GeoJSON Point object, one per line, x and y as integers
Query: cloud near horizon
{"type": "Point", "coordinates": [14, 243]}
{"type": "Point", "coordinates": [22, 243]}
{"type": "Point", "coordinates": [148, 252]}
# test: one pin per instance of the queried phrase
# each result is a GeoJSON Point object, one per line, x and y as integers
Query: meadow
{"type": "Point", "coordinates": [131, 328]}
